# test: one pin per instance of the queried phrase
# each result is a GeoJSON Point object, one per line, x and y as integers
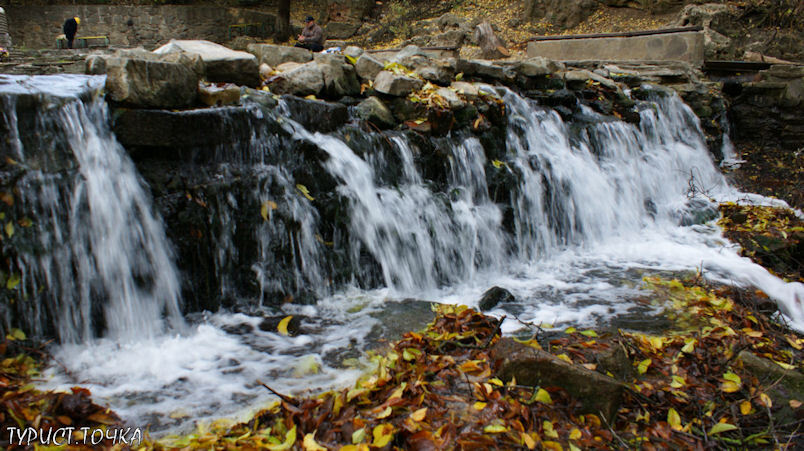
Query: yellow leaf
{"type": "Point", "coordinates": [565, 358]}
{"type": "Point", "coordinates": [527, 440]}
{"type": "Point", "coordinates": [794, 404]}
{"type": "Point", "coordinates": [642, 368]}
{"type": "Point", "coordinates": [9, 229]}
{"type": "Point", "coordinates": [459, 76]}
{"type": "Point", "coordinates": [419, 414]}
{"type": "Point", "coordinates": [385, 413]}
{"type": "Point", "coordinates": [309, 443]}
{"type": "Point", "coordinates": [398, 392]}
{"type": "Point", "coordinates": [678, 382]}
{"type": "Point", "coordinates": [282, 328]}
{"type": "Point", "coordinates": [497, 382]}
{"type": "Point", "coordinates": [358, 436]}
{"type": "Point", "coordinates": [13, 281]}
{"type": "Point", "coordinates": [543, 397]}
{"type": "Point", "coordinates": [290, 439]}
{"type": "Point", "coordinates": [479, 405]}
{"type": "Point", "coordinates": [689, 345]}
{"type": "Point", "coordinates": [383, 434]}
{"type": "Point", "coordinates": [786, 366]}
{"type": "Point", "coordinates": [311, 97]}
{"type": "Point", "coordinates": [721, 427]}
{"type": "Point", "coordinates": [745, 407]}
{"type": "Point", "coordinates": [570, 330]}
{"type": "Point", "coordinates": [765, 400]}
{"type": "Point", "coordinates": [673, 419]}
{"type": "Point", "coordinates": [554, 446]}
{"type": "Point", "coordinates": [574, 448]}
{"type": "Point", "coordinates": [495, 429]}
{"type": "Point", "coordinates": [549, 431]}
{"type": "Point", "coordinates": [796, 343]}
{"type": "Point", "coordinates": [15, 334]}
{"type": "Point", "coordinates": [729, 387]}
{"type": "Point", "coordinates": [589, 333]}
{"type": "Point", "coordinates": [266, 206]}
{"type": "Point", "coordinates": [575, 434]}
{"type": "Point", "coordinates": [303, 189]}
{"type": "Point", "coordinates": [656, 343]}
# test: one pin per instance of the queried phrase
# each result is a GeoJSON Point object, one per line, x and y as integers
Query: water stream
{"type": "Point", "coordinates": [594, 206]}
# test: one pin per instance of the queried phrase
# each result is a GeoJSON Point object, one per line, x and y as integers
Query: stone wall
{"type": "Point", "coordinates": [38, 26]}
{"type": "Point", "coordinates": [684, 46]}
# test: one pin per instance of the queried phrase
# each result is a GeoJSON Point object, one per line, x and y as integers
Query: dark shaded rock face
{"type": "Point", "coordinates": [494, 296]}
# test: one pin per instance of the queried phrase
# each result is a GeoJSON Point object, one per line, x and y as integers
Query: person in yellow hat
{"type": "Point", "coordinates": [70, 28]}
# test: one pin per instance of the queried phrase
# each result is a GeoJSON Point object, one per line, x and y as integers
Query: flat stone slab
{"type": "Point", "coordinates": [222, 64]}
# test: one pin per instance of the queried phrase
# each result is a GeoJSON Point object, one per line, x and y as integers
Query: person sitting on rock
{"type": "Point", "coordinates": [70, 28]}
{"type": "Point", "coordinates": [312, 37]}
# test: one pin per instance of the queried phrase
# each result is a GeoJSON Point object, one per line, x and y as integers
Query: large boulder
{"type": "Point", "coordinates": [222, 64]}
{"type": "Point", "coordinates": [316, 115]}
{"type": "Point", "coordinates": [274, 55]}
{"type": "Point", "coordinates": [534, 367]}
{"type": "Point", "coordinates": [368, 67]}
{"type": "Point", "coordinates": [339, 76]}
{"type": "Point", "coordinates": [375, 111]}
{"type": "Point", "coordinates": [485, 69]}
{"type": "Point", "coordinates": [396, 85]}
{"type": "Point", "coordinates": [302, 81]}
{"type": "Point", "coordinates": [95, 63]}
{"type": "Point", "coordinates": [150, 84]}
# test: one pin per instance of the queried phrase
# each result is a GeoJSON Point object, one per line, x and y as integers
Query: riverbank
{"type": "Point", "coordinates": [722, 373]}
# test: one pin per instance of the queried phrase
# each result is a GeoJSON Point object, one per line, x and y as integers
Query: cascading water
{"type": "Point", "coordinates": [100, 258]}
{"type": "Point", "coordinates": [567, 216]}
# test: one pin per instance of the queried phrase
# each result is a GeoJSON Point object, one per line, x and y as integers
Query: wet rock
{"type": "Point", "coordinates": [375, 111]}
{"type": "Point", "coordinates": [396, 85]}
{"type": "Point", "coordinates": [367, 67]}
{"type": "Point", "coordinates": [534, 367]}
{"type": "Point", "coordinates": [294, 326]}
{"type": "Point", "coordinates": [219, 95]}
{"type": "Point", "coordinates": [699, 211]}
{"type": "Point", "coordinates": [494, 296]}
{"type": "Point", "coordinates": [317, 115]}
{"type": "Point", "coordinates": [150, 84]}
{"type": "Point", "coordinates": [468, 90]}
{"type": "Point", "coordinates": [262, 98]}
{"type": "Point", "coordinates": [221, 64]}
{"type": "Point", "coordinates": [784, 386]}
{"type": "Point", "coordinates": [614, 362]}
{"type": "Point", "coordinates": [274, 55]}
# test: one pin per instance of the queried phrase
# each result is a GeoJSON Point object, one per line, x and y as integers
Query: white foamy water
{"type": "Point", "coordinates": [591, 212]}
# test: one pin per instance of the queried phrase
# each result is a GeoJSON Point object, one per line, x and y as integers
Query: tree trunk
{"type": "Point", "coordinates": [283, 21]}
{"type": "Point", "coordinates": [491, 46]}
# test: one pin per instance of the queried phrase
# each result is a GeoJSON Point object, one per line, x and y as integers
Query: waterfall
{"type": "Point", "coordinates": [566, 214]}
{"type": "Point", "coordinates": [97, 260]}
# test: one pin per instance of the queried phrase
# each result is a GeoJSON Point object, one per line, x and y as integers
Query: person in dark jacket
{"type": "Point", "coordinates": [70, 28]}
{"type": "Point", "coordinates": [312, 37]}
